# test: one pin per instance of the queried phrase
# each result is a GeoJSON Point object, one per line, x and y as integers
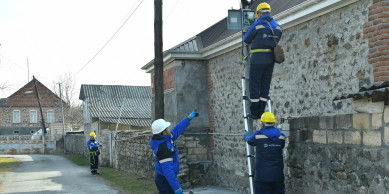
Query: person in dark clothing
{"type": "Point", "coordinates": [166, 154]}
{"type": "Point", "coordinates": [93, 146]}
{"type": "Point", "coordinates": [260, 37]}
{"type": "Point", "coordinates": [269, 143]}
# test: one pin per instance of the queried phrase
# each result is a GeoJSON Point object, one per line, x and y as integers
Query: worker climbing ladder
{"type": "Point", "coordinates": [241, 20]}
{"type": "Point", "coordinates": [248, 123]}
{"type": "Point", "coordinates": [249, 126]}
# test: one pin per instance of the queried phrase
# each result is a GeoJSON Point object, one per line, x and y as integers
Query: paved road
{"type": "Point", "coordinates": [51, 174]}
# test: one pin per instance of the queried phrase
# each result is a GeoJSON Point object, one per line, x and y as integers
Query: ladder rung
{"type": "Point", "coordinates": [245, 98]}
{"type": "Point", "coordinates": [245, 78]}
{"type": "Point", "coordinates": [251, 156]}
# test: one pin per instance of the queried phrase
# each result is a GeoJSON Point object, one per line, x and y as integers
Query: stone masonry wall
{"type": "Point", "coordinates": [325, 57]}
{"type": "Point", "coordinates": [132, 152]}
{"type": "Point", "coordinates": [339, 154]}
{"type": "Point", "coordinates": [228, 148]}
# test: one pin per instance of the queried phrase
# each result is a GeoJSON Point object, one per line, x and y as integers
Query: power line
{"type": "Point", "coordinates": [110, 38]}
{"type": "Point", "coordinates": [9, 60]}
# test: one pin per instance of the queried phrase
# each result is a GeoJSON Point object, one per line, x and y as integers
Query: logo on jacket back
{"type": "Point", "coordinates": [270, 145]}
{"type": "Point", "coordinates": [270, 36]}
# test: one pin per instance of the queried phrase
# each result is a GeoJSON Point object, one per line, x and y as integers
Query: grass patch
{"type": "Point", "coordinates": [128, 182]}
{"type": "Point", "coordinates": [125, 182]}
{"type": "Point", "coordinates": [6, 165]}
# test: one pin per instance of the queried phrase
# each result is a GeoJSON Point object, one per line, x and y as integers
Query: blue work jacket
{"type": "Point", "coordinates": [92, 145]}
{"type": "Point", "coordinates": [269, 165]}
{"type": "Point", "coordinates": [260, 37]}
{"type": "Point", "coordinates": [166, 153]}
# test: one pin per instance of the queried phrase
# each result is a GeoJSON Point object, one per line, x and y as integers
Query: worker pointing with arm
{"type": "Point", "coordinates": [166, 153]}
{"type": "Point", "coordinates": [260, 37]}
{"type": "Point", "coordinates": [269, 165]}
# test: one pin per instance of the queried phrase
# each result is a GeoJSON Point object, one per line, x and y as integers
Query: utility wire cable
{"type": "Point", "coordinates": [110, 38]}
{"type": "Point", "coordinates": [21, 67]}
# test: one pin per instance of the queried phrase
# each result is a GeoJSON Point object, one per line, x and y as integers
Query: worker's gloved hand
{"type": "Point", "coordinates": [245, 134]}
{"type": "Point", "coordinates": [192, 115]}
{"type": "Point", "coordinates": [178, 192]}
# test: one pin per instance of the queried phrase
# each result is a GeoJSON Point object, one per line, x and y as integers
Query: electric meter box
{"type": "Point", "coordinates": [240, 19]}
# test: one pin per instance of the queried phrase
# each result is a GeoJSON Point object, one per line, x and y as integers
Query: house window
{"type": "Point", "coordinates": [50, 116]}
{"type": "Point", "coordinates": [16, 116]}
{"type": "Point", "coordinates": [16, 132]}
{"type": "Point", "coordinates": [33, 116]}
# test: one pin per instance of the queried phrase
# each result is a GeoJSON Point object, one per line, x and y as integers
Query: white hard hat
{"type": "Point", "coordinates": [159, 125]}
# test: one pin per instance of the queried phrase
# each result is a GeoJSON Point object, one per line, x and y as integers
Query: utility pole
{"type": "Point", "coordinates": [43, 119]}
{"type": "Point", "coordinates": [28, 71]}
{"type": "Point", "coordinates": [40, 107]}
{"type": "Point", "coordinates": [158, 61]}
{"type": "Point", "coordinates": [63, 118]}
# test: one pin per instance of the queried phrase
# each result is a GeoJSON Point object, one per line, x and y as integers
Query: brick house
{"type": "Point", "coordinates": [333, 48]}
{"type": "Point", "coordinates": [20, 114]}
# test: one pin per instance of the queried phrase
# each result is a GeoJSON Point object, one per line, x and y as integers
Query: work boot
{"type": "Point", "coordinates": [252, 117]}
{"type": "Point", "coordinates": [261, 108]}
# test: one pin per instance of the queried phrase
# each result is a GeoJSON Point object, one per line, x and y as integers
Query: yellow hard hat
{"type": "Point", "coordinates": [268, 117]}
{"type": "Point", "coordinates": [262, 6]}
{"type": "Point", "coordinates": [92, 134]}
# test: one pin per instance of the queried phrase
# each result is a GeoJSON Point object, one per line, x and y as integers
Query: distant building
{"type": "Point", "coordinates": [20, 114]}
{"type": "Point", "coordinates": [116, 107]}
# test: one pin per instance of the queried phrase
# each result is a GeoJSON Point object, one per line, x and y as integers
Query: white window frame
{"type": "Point", "coordinates": [50, 117]}
{"type": "Point", "coordinates": [32, 118]}
{"type": "Point", "coordinates": [16, 116]}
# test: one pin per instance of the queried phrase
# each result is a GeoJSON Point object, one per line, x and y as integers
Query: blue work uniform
{"type": "Point", "coordinates": [166, 158]}
{"type": "Point", "coordinates": [93, 147]}
{"type": "Point", "coordinates": [269, 165]}
{"type": "Point", "coordinates": [262, 61]}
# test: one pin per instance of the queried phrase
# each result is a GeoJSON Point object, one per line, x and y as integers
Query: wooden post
{"type": "Point", "coordinates": [158, 60]}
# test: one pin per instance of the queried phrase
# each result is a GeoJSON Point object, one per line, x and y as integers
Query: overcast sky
{"type": "Point", "coordinates": [60, 36]}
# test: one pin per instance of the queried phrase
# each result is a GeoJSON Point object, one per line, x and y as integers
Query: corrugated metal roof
{"type": "Point", "coordinates": [127, 121]}
{"type": "Point", "coordinates": [132, 104]}
{"type": "Point", "coordinates": [188, 45]}
{"type": "Point", "coordinates": [366, 92]}
{"type": "Point", "coordinates": [126, 112]}
{"type": "Point", "coordinates": [114, 91]}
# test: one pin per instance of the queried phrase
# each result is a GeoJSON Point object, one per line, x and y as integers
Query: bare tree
{"type": "Point", "coordinates": [72, 109]}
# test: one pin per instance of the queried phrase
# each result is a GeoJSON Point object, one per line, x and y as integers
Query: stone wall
{"type": "Point", "coordinates": [26, 144]}
{"type": "Point", "coordinates": [75, 144]}
{"type": "Point", "coordinates": [229, 165]}
{"type": "Point", "coordinates": [325, 57]}
{"type": "Point", "coordinates": [339, 154]}
{"type": "Point", "coordinates": [132, 152]}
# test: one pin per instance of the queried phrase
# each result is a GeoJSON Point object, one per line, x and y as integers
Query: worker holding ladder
{"type": "Point", "coordinates": [262, 35]}
{"type": "Point", "coordinates": [269, 164]}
